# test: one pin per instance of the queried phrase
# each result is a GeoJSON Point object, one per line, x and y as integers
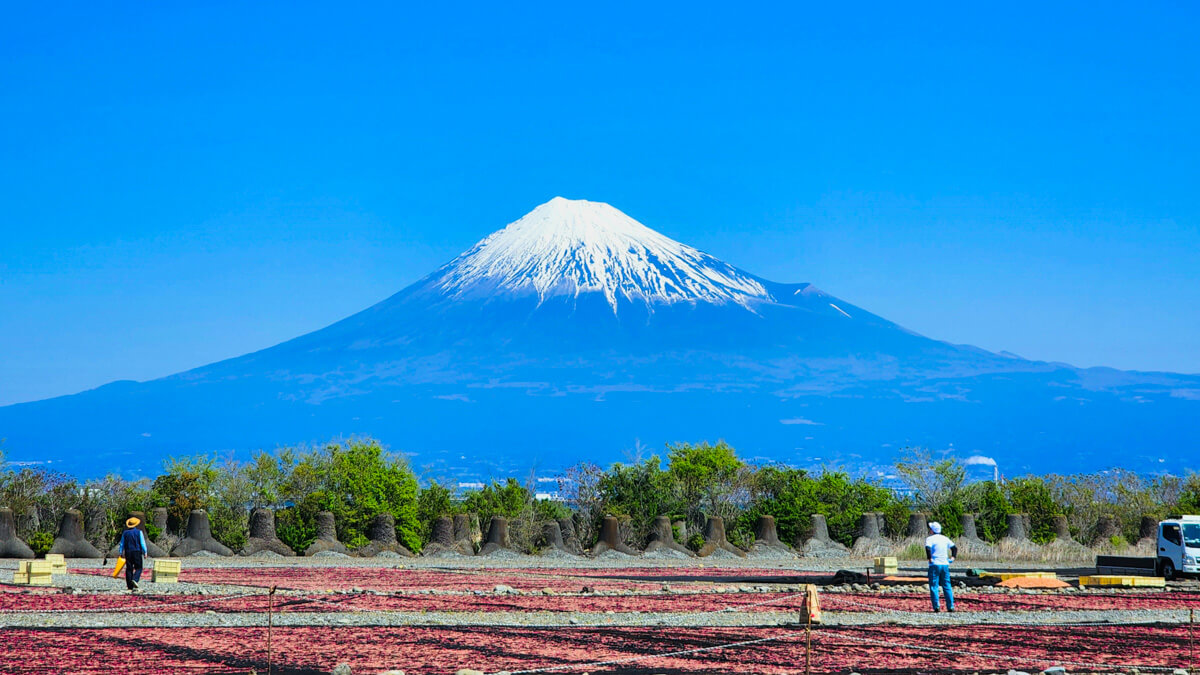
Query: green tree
{"type": "Point", "coordinates": [936, 485]}
{"type": "Point", "coordinates": [1188, 500]}
{"type": "Point", "coordinates": [793, 495]}
{"type": "Point", "coordinates": [711, 481]}
{"type": "Point", "coordinates": [434, 501]}
{"type": "Point", "coordinates": [1032, 495]}
{"type": "Point", "coordinates": [186, 485]}
{"type": "Point", "coordinates": [354, 480]}
{"type": "Point", "coordinates": [641, 492]}
{"type": "Point", "coordinates": [987, 500]}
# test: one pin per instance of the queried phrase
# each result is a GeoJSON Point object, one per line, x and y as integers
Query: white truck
{"type": "Point", "coordinates": [1178, 552]}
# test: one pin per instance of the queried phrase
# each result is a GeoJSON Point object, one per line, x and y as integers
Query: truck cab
{"type": "Point", "coordinates": [1178, 546]}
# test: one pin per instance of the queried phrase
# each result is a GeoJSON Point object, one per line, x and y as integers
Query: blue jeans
{"type": "Point", "coordinates": [939, 575]}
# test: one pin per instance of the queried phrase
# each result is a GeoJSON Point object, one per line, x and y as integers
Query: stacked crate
{"type": "Point", "coordinates": [58, 563]}
{"type": "Point", "coordinates": [33, 572]}
{"type": "Point", "coordinates": [886, 566]}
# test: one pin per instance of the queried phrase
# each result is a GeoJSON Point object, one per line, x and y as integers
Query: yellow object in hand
{"type": "Point", "coordinates": [120, 566]}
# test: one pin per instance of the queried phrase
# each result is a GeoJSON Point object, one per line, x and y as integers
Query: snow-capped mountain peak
{"type": "Point", "coordinates": [572, 247]}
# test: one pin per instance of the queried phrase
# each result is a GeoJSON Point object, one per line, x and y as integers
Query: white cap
{"type": "Point", "coordinates": [935, 527]}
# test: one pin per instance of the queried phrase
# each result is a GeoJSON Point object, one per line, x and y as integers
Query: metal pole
{"type": "Point", "coordinates": [1191, 637]}
{"type": "Point", "coordinates": [270, 624]}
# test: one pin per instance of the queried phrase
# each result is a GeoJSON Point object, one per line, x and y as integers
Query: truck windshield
{"type": "Point", "coordinates": [1191, 534]}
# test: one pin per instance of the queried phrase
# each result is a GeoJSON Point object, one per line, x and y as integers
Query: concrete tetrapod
{"type": "Point", "coordinates": [715, 542]}
{"type": "Point", "coordinates": [464, 533]}
{"type": "Point", "coordinates": [199, 537]}
{"type": "Point", "coordinates": [869, 543]}
{"type": "Point", "coordinates": [1015, 544]}
{"type": "Point", "coordinates": [970, 546]}
{"type": "Point", "coordinates": [766, 540]}
{"type": "Point", "coordinates": [914, 538]}
{"type": "Point", "coordinates": [1147, 543]}
{"type": "Point", "coordinates": [326, 540]}
{"type": "Point", "coordinates": [819, 544]}
{"type": "Point", "coordinates": [10, 545]}
{"type": "Point", "coordinates": [152, 549]}
{"type": "Point", "coordinates": [1107, 530]}
{"type": "Point", "coordinates": [165, 540]}
{"type": "Point", "coordinates": [570, 538]}
{"type": "Point", "coordinates": [662, 541]}
{"type": "Point", "coordinates": [441, 539]}
{"type": "Point", "coordinates": [497, 537]}
{"type": "Point", "coordinates": [70, 542]}
{"type": "Point", "coordinates": [262, 535]}
{"type": "Point", "coordinates": [383, 538]}
{"type": "Point", "coordinates": [1064, 547]}
{"type": "Point", "coordinates": [610, 538]}
{"type": "Point", "coordinates": [553, 538]}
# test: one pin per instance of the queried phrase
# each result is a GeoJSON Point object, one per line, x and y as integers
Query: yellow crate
{"type": "Point", "coordinates": [1120, 580]}
{"type": "Point", "coordinates": [22, 567]}
{"type": "Point", "coordinates": [887, 565]}
{"type": "Point", "coordinates": [58, 563]}
{"type": "Point", "coordinates": [165, 571]}
{"type": "Point", "coordinates": [40, 580]}
{"type": "Point", "coordinates": [20, 577]}
{"type": "Point", "coordinates": [1005, 576]}
{"type": "Point", "coordinates": [40, 567]}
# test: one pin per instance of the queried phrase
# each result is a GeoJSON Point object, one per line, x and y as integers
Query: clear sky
{"type": "Point", "coordinates": [188, 183]}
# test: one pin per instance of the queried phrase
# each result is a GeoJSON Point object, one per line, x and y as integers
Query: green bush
{"type": "Point", "coordinates": [987, 500]}
{"type": "Point", "coordinates": [641, 492]}
{"type": "Point", "coordinates": [355, 482]}
{"type": "Point", "coordinates": [433, 502]}
{"type": "Point", "coordinates": [1031, 495]}
{"type": "Point", "coordinates": [41, 542]}
{"type": "Point", "coordinates": [793, 495]}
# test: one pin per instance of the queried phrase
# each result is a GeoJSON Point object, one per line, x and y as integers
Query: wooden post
{"type": "Point", "coordinates": [270, 624]}
{"type": "Point", "coordinates": [808, 644]}
{"type": "Point", "coordinates": [1191, 643]}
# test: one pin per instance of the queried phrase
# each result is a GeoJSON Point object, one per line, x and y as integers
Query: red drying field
{"type": "Point", "coordinates": [41, 601]}
{"type": "Point", "coordinates": [919, 602]}
{"type": "Point", "coordinates": [314, 650]}
{"type": "Point", "coordinates": [22, 600]}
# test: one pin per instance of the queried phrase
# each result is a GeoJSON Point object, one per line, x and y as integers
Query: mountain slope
{"type": "Point", "coordinates": [576, 332]}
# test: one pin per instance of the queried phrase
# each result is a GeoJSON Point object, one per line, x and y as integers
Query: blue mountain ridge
{"type": "Point", "coordinates": [548, 354]}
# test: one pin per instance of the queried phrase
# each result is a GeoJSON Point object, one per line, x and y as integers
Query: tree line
{"type": "Point", "coordinates": [358, 478]}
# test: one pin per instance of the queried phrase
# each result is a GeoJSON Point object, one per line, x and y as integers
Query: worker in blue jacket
{"type": "Point", "coordinates": [133, 549]}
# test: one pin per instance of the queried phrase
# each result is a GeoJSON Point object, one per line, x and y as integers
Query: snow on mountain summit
{"type": "Point", "coordinates": [571, 247]}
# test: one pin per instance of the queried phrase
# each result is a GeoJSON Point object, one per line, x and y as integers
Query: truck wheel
{"type": "Point", "coordinates": [1168, 570]}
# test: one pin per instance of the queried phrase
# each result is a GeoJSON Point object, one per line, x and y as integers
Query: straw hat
{"type": "Point", "coordinates": [132, 522]}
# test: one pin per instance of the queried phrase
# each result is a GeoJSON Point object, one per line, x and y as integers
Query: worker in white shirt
{"type": "Point", "coordinates": [941, 552]}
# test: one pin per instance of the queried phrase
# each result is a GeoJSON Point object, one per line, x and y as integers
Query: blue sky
{"type": "Point", "coordinates": [185, 184]}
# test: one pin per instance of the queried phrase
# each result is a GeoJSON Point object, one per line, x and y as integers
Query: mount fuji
{"type": "Point", "coordinates": [576, 333]}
